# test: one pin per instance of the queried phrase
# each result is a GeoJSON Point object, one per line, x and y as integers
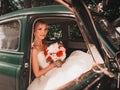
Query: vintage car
{"type": "Point", "coordinates": [80, 30]}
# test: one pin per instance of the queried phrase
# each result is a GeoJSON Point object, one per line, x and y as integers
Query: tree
{"type": "Point", "coordinates": [35, 3]}
{"type": "Point", "coordinates": [9, 6]}
{"type": "Point", "coordinates": [27, 3]}
{"type": "Point", "coordinates": [4, 6]}
{"type": "Point", "coordinates": [111, 8]}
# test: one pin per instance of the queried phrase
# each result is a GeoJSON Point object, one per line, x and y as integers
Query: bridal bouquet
{"type": "Point", "coordinates": [54, 52]}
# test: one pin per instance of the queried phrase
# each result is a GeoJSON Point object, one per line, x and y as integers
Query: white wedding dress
{"type": "Point", "coordinates": [75, 65]}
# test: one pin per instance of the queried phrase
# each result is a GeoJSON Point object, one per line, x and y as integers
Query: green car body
{"type": "Point", "coordinates": [15, 58]}
{"type": "Point", "coordinates": [14, 71]}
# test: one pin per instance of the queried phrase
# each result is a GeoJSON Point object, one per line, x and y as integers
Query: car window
{"type": "Point", "coordinates": [9, 35]}
{"type": "Point", "coordinates": [56, 31]}
{"type": "Point", "coordinates": [110, 33]}
{"type": "Point", "coordinates": [75, 34]}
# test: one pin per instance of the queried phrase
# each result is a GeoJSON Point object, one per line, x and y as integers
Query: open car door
{"type": "Point", "coordinates": [99, 47]}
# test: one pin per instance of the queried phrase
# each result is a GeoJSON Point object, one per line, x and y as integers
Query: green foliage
{"type": "Point", "coordinates": [54, 32]}
{"type": "Point", "coordinates": [75, 33]}
{"type": "Point", "coordinates": [7, 6]}
{"type": "Point", "coordinates": [111, 9]}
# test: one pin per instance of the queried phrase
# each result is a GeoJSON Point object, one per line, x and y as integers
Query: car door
{"type": "Point", "coordinates": [90, 29]}
{"type": "Point", "coordinates": [13, 66]}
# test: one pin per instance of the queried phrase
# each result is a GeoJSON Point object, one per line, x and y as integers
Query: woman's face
{"type": "Point", "coordinates": [40, 30]}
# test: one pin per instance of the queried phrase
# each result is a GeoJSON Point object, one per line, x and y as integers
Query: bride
{"type": "Point", "coordinates": [51, 76]}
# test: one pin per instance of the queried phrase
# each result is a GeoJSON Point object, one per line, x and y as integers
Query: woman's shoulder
{"type": "Point", "coordinates": [34, 50]}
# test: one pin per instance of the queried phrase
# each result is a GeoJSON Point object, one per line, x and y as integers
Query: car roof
{"type": "Point", "coordinates": [37, 10]}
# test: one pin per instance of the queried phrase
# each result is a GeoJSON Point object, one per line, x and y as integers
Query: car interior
{"type": "Point", "coordinates": [67, 31]}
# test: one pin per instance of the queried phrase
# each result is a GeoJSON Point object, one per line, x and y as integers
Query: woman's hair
{"type": "Point", "coordinates": [39, 22]}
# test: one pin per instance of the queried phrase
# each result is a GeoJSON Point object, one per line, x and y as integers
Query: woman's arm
{"type": "Point", "coordinates": [35, 65]}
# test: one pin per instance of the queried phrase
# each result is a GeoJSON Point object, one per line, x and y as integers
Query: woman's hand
{"type": "Point", "coordinates": [58, 63]}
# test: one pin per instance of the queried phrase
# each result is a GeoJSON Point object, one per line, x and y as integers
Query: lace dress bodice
{"type": "Point", "coordinates": [42, 60]}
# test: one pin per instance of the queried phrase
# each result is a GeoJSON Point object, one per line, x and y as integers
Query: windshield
{"type": "Point", "coordinates": [98, 28]}
{"type": "Point", "coordinates": [110, 33]}
{"type": "Point", "coordinates": [107, 30]}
